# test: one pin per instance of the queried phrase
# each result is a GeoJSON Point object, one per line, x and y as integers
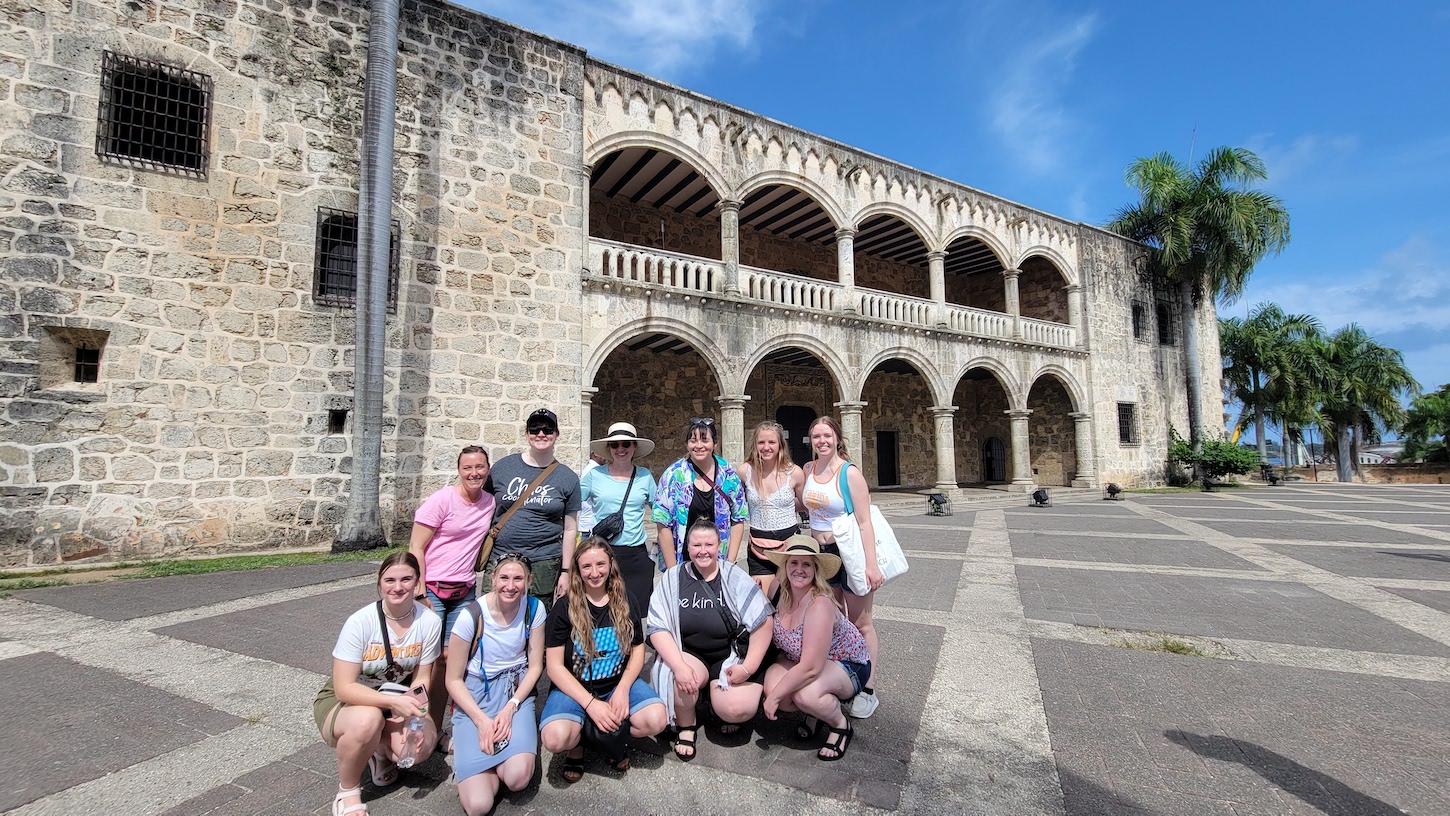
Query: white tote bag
{"type": "Point", "coordinates": [853, 555]}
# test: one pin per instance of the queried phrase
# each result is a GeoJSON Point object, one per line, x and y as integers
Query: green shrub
{"type": "Point", "coordinates": [1218, 457]}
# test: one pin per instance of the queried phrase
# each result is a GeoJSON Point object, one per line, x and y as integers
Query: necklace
{"type": "Point", "coordinates": [399, 617]}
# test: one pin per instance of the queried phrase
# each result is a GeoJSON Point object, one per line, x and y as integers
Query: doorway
{"type": "Point", "coordinates": [887, 474]}
{"type": "Point", "coordinates": [797, 419]}
{"type": "Point", "coordinates": [994, 460]}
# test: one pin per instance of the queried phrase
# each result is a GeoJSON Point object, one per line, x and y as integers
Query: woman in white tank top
{"type": "Point", "coordinates": [772, 482]}
{"type": "Point", "coordinates": [821, 496]}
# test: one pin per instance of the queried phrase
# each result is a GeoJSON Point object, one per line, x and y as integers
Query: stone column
{"type": "Point", "coordinates": [936, 271]}
{"type": "Point", "coordinates": [730, 244]}
{"type": "Point", "coordinates": [1021, 457]}
{"type": "Point", "coordinates": [1074, 309]}
{"type": "Point", "coordinates": [586, 416]}
{"type": "Point", "coordinates": [732, 426]}
{"type": "Point", "coordinates": [588, 253]}
{"type": "Point", "coordinates": [851, 426]}
{"type": "Point", "coordinates": [1014, 303]}
{"type": "Point", "coordinates": [946, 448]}
{"type": "Point", "coordinates": [1082, 432]}
{"type": "Point", "coordinates": [846, 268]}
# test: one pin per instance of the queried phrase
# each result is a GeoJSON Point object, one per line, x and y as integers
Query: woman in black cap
{"type": "Point", "coordinates": [543, 527]}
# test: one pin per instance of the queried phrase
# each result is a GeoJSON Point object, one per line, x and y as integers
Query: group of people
{"type": "Point", "coordinates": [781, 634]}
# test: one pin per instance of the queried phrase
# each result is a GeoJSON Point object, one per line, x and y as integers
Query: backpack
{"type": "Point", "coordinates": [477, 609]}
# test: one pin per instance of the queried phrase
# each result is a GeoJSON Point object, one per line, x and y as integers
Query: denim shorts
{"type": "Point", "coordinates": [561, 706]}
{"type": "Point", "coordinates": [860, 673]}
{"type": "Point", "coordinates": [448, 610]}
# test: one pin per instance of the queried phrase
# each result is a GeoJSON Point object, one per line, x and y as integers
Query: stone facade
{"type": "Point", "coordinates": [219, 419]}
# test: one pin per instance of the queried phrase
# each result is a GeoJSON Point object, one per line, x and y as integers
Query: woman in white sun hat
{"type": "Point", "coordinates": [622, 494]}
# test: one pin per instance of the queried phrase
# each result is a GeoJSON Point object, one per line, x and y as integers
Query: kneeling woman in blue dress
{"type": "Point", "coordinates": [710, 624]}
{"type": "Point", "coordinates": [595, 646]}
{"type": "Point", "coordinates": [492, 671]}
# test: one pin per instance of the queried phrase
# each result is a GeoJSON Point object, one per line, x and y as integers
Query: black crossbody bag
{"type": "Point", "coordinates": [610, 527]}
{"type": "Point", "coordinates": [739, 636]}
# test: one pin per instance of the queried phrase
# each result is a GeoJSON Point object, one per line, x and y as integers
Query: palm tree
{"type": "Point", "coordinates": [362, 525]}
{"type": "Point", "coordinates": [1427, 427]}
{"type": "Point", "coordinates": [1361, 392]}
{"type": "Point", "coordinates": [1264, 358]}
{"type": "Point", "coordinates": [1205, 229]}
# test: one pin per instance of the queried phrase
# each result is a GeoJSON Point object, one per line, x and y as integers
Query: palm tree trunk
{"type": "Point", "coordinates": [1259, 432]}
{"type": "Point", "coordinates": [362, 526]}
{"type": "Point", "coordinates": [1343, 459]}
{"type": "Point", "coordinates": [1192, 372]}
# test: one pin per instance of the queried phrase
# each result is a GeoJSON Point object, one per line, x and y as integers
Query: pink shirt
{"type": "Point", "coordinates": [459, 530]}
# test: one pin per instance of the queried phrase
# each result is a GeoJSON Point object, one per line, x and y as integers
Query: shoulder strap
{"type": "Point", "coordinates": [628, 487]}
{"type": "Point", "coordinates": [524, 496]}
{"type": "Point", "coordinates": [477, 609]}
{"type": "Point", "coordinates": [845, 488]}
{"type": "Point", "coordinates": [714, 487]}
{"type": "Point", "coordinates": [534, 603]}
{"type": "Point", "coordinates": [387, 647]}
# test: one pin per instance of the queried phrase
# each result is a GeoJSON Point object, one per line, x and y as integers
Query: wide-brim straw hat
{"type": "Point", "coordinates": [622, 432]}
{"type": "Point", "coordinates": [802, 544]}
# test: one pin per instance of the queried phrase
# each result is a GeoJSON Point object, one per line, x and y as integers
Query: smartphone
{"type": "Point", "coordinates": [500, 745]}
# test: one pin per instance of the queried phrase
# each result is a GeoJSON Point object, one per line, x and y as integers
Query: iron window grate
{"type": "Point", "coordinates": [1127, 423]}
{"type": "Point", "coordinates": [154, 115]}
{"type": "Point", "coordinates": [88, 365]}
{"type": "Point", "coordinates": [335, 276]}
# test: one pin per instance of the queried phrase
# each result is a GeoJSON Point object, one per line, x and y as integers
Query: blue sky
{"type": "Point", "coordinates": [1046, 103]}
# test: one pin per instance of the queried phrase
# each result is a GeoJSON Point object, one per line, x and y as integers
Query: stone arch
{"type": "Point", "coordinates": [905, 214]}
{"type": "Point", "coordinates": [701, 342]}
{"type": "Point", "coordinates": [823, 352]}
{"type": "Point", "coordinates": [982, 234]}
{"type": "Point", "coordinates": [1051, 427]}
{"type": "Point", "coordinates": [786, 178]}
{"type": "Point", "coordinates": [1064, 268]}
{"type": "Point", "coordinates": [1004, 375]}
{"type": "Point", "coordinates": [649, 139]}
{"type": "Point", "coordinates": [918, 360]}
{"type": "Point", "coordinates": [1064, 378]}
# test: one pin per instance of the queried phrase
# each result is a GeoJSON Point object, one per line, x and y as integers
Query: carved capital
{"type": "Point", "coordinates": [943, 411]}
{"type": "Point", "coordinates": [846, 234]}
{"type": "Point", "coordinates": [850, 407]}
{"type": "Point", "coordinates": [936, 255]}
{"type": "Point", "coordinates": [586, 394]}
{"type": "Point", "coordinates": [728, 401]}
{"type": "Point", "coordinates": [1010, 274]}
{"type": "Point", "coordinates": [1080, 416]}
{"type": "Point", "coordinates": [1019, 413]}
{"type": "Point", "coordinates": [729, 205]}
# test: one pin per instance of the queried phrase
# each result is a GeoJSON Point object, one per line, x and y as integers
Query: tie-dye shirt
{"type": "Point", "coordinates": [601, 674]}
{"type": "Point", "coordinates": [677, 488]}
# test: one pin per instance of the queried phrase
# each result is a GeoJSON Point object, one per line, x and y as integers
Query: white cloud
{"type": "Point", "coordinates": [1027, 109]}
{"type": "Point", "coordinates": [654, 36]}
{"type": "Point", "coordinates": [1309, 153]}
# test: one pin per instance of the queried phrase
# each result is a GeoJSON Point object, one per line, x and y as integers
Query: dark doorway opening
{"type": "Point", "coordinates": [887, 474]}
{"type": "Point", "coordinates": [797, 419]}
{"type": "Point", "coordinates": [994, 460]}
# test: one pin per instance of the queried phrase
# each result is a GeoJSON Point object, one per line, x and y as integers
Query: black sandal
{"type": "Point", "coordinates": [808, 729]}
{"type": "Point", "coordinates": [837, 747]}
{"type": "Point", "coordinates": [573, 770]}
{"type": "Point", "coordinates": [682, 742]}
{"type": "Point", "coordinates": [622, 765]}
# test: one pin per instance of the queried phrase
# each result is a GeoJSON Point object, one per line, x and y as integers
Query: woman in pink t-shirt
{"type": "Point", "coordinates": [448, 531]}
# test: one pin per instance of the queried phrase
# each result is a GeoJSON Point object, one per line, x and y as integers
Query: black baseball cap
{"type": "Point", "coordinates": [542, 416]}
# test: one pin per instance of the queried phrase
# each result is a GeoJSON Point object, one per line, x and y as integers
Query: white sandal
{"type": "Point", "coordinates": [384, 770]}
{"type": "Point", "coordinates": [339, 809]}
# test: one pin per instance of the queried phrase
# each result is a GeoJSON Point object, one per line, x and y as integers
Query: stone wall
{"type": "Point", "coordinates": [658, 392]}
{"type": "Point", "coordinates": [762, 250]}
{"type": "Point", "coordinates": [980, 291]}
{"type": "Point", "coordinates": [1051, 436]}
{"type": "Point", "coordinates": [616, 219]}
{"type": "Point", "coordinates": [900, 403]}
{"type": "Point", "coordinates": [1040, 291]}
{"type": "Point", "coordinates": [981, 414]}
{"type": "Point", "coordinates": [209, 428]}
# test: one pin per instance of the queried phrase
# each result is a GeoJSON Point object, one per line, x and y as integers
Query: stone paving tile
{"type": "Point", "coordinates": [1365, 533]}
{"type": "Point", "coordinates": [1126, 550]}
{"type": "Point", "coordinates": [1275, 611]}
{"type": "Point", "coordinates": [287, 632]}
{"type": "Point", "coordinates": [1435, 599]}
{"type": "Point", "coordinates": [1266, 748]}
{"type": "Point", "coordinates": [1238, 513]}
{"type": "Point", "coordinates": [959, 518]}
{"type": "Point", "coordinates": [952, 541]}
{"type": "Point", "coordinates": [1128, 525]}
{"type": "Point", "coordinates": [124, 600]}
{"type": "Point", "coordinates": [1372, 562]}
{"type": "Point", "coordinates": [67, 723]}
{"type": "Point", "coordinates": [929, 584]}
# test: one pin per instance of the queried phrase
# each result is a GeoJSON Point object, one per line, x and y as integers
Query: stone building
{"type": "Point", "coordinates": [178, 196]}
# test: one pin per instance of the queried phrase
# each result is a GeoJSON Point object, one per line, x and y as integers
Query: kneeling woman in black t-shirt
{"type": "Point", "coordinates": [588, 661]}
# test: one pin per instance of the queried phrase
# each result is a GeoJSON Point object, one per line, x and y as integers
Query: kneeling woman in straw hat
{"type": "Point", "coordinates": [823, 658]}
{"type": "Point", "coordinates": [624, 488]}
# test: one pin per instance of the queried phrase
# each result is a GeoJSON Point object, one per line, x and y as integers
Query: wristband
{"type": "Point", "coordinates": [516, 703]}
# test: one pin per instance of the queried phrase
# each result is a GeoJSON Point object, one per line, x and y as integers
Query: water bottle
{"type": "Point", "coordinates": [412, 739]}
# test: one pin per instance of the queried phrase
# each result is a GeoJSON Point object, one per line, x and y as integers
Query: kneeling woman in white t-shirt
{"type": "Point", "coordinates": [491, 678]}
{"type": "Point", "coordinates": [393, 641]}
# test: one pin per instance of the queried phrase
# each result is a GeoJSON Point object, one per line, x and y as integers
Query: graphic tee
{"type": "Point", "coordinates": [503, 647]}
{"type": "Point", "coordinates": [361, 641]}
{"type": "Point", "coordinates": [601, 675]}
{"type": "Point", "coordinates": [701, 627]}
{"type": "Point", "coordinates": [537, 529]}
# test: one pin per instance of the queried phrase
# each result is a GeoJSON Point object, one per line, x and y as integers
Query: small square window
{"type": "Point", "coordinates": [154, 115]}
{"type": "Point", "coordinates": [335, 276]}
{"type": "Point", "coordinates": [1140, 321]}
{"type": "Point", "coordinates": [88, 365]}
{"type": "Point", "coordinates": [1127, 423]}
{"type": "Point", "coordinates": [336, 421]}
{"type": "Point", "coordinates": [70, 358]}
{"type": "Point", "coordinates": [1165, 325]}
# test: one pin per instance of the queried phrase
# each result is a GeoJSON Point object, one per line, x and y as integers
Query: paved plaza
{"type": "Point", "coordinates": [1007, 683]}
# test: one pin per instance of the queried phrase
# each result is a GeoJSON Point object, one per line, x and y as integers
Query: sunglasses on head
{"type": "Point", "coordinates": [699, 421]}
{"type": "Point", "coordinates": [514, 556]}
{"type": "Point", "coordinates": [629, 443]}
{"type": "Point", "coordinates": [542, 429]}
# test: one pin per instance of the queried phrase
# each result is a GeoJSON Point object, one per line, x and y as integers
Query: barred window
{"type": "Point", "coordinates": [154, 115]}
{"type": "Point", "coordinates": [1140, 320]}
{"type": "Point", "coordinates": [1127, 423]}
{"type": "Point", "coordinates": [335, 276]}
{"type": "Point", "coordinates": [1165, 325]}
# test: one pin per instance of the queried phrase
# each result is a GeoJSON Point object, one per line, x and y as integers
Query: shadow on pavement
{"type": "Point", "coordinates": [1323, 792]}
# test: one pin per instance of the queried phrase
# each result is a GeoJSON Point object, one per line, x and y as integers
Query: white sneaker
{"type": "Point", "coordinates": [863, 705]}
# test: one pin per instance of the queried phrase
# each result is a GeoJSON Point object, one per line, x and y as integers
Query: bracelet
{"type": "Point", "coordinates": [515, 702]}
{"type": "Point", "coordinates": [590, 703]}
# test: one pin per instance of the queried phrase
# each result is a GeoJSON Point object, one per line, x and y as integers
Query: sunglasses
{"type": "Point", "coordinates": [614, 445]}
{"type": "Point", "coordinates": [515, 556]}
{"type": "Point", "coordinates": [542, 429]}
{"type": "Point", "coordinates": [698, 421]}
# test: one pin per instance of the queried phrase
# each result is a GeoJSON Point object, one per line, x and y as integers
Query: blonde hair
{"type": "Point", "coordinates": [753, 457]}
{"type": "Point", "coordinates": [581, 619]}
{"type": "Point", "coordinates": [819, 586]}
{"type": "Point", "coordinates": [830, 422]}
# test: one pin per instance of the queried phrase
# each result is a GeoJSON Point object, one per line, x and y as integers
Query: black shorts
{"type": "Point", "coordinates": [755, 564]}
{"type": "Point", "coordinates": [839, 579]}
